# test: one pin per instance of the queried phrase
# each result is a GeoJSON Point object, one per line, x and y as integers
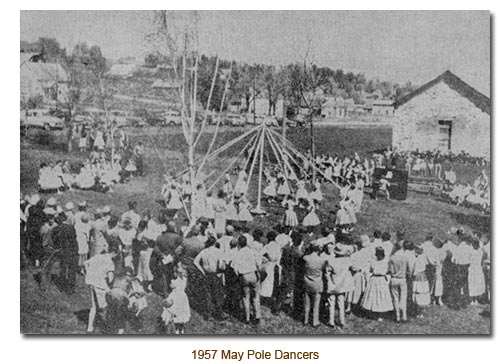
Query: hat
{"type": "Point", "coordinates": [34, 199]}
{"type": "Point", "coordinates": [27, 198]}
{"type": "Point", "coordinates": [51, 202]}
{"type": "Point", "coordinates": [49, 211]}
{"type": "Point", "coordinates": [340, 250]}
{"type": "Point", "coordinates": [82, 204]}
{"type": "Point", "coordinates": [388, 175]}
{"type": "Point", "coordinates": [98, 212]}
{"type": "Point", "coordinates": [106, 210]}
{"type": "Point", "coordinates": [69, 206]}
{"type": "Point", "coordinates": [229, 229]}
{"type": "Point", "coordinates": [59, 209]}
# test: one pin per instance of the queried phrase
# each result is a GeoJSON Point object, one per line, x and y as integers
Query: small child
{"type": "Point", "coordinates": [290, 215]}
{"type": "Point", "coordinates": [177, 309]}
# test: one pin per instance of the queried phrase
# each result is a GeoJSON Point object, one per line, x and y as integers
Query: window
{"type": "Point", "coordinates": [444, 137]}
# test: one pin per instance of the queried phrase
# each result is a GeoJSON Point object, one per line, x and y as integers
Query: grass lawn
{"type": "Point", "coordinates": [53, 312]}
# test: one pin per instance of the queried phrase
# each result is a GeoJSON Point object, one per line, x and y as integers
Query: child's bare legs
{"type": "Point", "coordinates": [307, 307]}
{"type": "Point", "coordinates": [92, 312]}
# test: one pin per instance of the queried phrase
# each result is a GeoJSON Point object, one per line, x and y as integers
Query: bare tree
{"type": "Point", "coordinates": [176, 36]}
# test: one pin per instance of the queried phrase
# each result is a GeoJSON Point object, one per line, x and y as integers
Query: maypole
{"type": "Point", "coordinates": [255, 150]}
{"type": "Point", "coordinates": [258, 209]}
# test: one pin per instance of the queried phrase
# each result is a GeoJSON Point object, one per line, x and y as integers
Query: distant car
{"type": "Point", "coordinates": [234, 120]}
{"type": "Point", "coordinates": [83, 118]}
{"type": "Point", "coordinates": [172, 118]}
{"type": "Point", "coordinates": [135, 122]}
{"type": "Point", "coordinates": [40, 118]}
{"type": "Point", "coordinates": [119, 117]}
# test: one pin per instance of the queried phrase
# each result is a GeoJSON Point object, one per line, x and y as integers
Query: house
{"type": "Point", "coordinates": [166, 87]}
{"type": "Point", "coordinates": [122, 70]}
{"type": "Point", "coordinates": [263, 107]}
{"type": "Point", "coordinates": [48, 80]}
{"type": "Point", "coordinates": [334, 107]}
{"type": "Point", "coordinates": [445, 114]}
{"type": "Point", "coordinates": [382, 107]}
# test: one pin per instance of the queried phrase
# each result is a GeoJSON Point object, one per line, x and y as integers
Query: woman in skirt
{"type": "Point", "coordinates": [316, 195]}
{"type": "Point", "coordinates": [311, 219]}
{"type": "Point", "coordinates": [421, 290]}
{"type": "Point", "coordinates": [377, 298]}
{"type": "Point", "coordinates": [290, 215]}
{"type": "Point", "coordinates": [302, 195]}
{"type": "Point", "coordinates": [270, 190]}
{"type": "Point", "coordinates": [477, 284]}
{"type": "Point", "coordinates": [244, 215]}
{"type": "Point", "coordinates": [283, 188]}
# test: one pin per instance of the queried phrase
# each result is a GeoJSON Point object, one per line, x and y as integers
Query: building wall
{"type": "Point", "coordinates": [262, 107]}
{"type": "Point", "coordinates": [416, 123]}
{"type": "Point", "coordinates": [387, 110]}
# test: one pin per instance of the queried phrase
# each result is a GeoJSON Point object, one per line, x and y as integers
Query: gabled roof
{"type": "Point", "coordinates": [166, 84]}
{"type": "Point", "coordinates": [481, 101]}
{"type": "Point", "coordinates": [44, 71]}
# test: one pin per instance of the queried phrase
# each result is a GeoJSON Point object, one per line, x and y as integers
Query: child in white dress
{"type": "Point", "coordinates": [244, 215]}
{"type": "Point", "coordinates": [290, 215]}
{"type": "Point", "coordinates": [311, 219]}
{"type": "Point", "coordinates": [177, 309]}
{"type": "Point", "coordinates": [270, 190]}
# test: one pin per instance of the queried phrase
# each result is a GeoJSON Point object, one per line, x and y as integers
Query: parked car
{"type": "Point", "coordinates": [119, 117]}
{"type": "Point", "coordinates": [172, 118]}
{"type": "Point", "coordinates": [135, 122]}
{"type": "Point", "coordinates": [234, 120]}
{"type": "Point", "coordinates": [40, 118]}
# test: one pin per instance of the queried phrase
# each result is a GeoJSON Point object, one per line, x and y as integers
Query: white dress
{"type": "Point", "coordinates": [477, 284]}
{"type": "Point", "coordinates": [270, 189]}
{"type": "Point", "coordinates": [244, 214]}
{"type": "Point", "coordinates": [99, 140]}
{"type": "Point", "coordinates": [311, 219]}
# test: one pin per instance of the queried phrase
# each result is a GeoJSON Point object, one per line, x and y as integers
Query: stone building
{"type": "Point", "coordinates": [444, 114]}
{"type": "Point", "coordinates": [47, 80]}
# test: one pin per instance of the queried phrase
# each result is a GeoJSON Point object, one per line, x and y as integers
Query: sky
{"type": "Point", "coordinates": [397, 46]}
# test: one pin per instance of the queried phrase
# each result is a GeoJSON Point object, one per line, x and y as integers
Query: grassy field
{"type": "Point", "coordinates": [53, 312]}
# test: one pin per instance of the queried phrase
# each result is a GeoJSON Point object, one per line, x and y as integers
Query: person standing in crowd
{"type": "Point", "coordinates": [164, 257]}
{"type": "Point", "coordinates": [377, 298]}
{"type": "Point", "coordinates": [271, 254]}
{"type": "Point", "coordinates": [82, 230]}
{"type": "Point", "coordinates": [431, 252]}
{"type": "Point", "coordinates": [99, 273]}
{"type": "Point", "coordinates": [247, 266]}
{"type": "Point", "coordinates": [177, 308]}
{"type": "Point", "coordinates": [462, 258]}
{"type": "Point", "coordinates": [36, 219]}
{"type": "Point", "coordinates": [314, 264]}
{"type": "Point", "coordinates": [421, 289]}
{"type": "Point", "coordinates": [400, 267]}
{"type": "Point", "coordinates": [64, 239]}
{"type": "Point", "coordinates": [476, 281]}
{"type": "Point", "coordinates": [210, 262]}
{"type": "Point", "coordinates": [285, 286]}
{"type": "Point", "coordinates": [132, 214]}
{"type": "Point", "coordinates": [360, 268]}
{"type": "Point", "coordinates": [339, 281]}
{"type": "Point", "coordinates": [139, 158]}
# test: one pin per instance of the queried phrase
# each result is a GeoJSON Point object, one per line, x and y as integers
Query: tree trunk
{"type": "Point", "coordinates": [313, 153]}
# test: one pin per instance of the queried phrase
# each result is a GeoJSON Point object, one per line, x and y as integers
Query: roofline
{"type": "Point", "coordinates": [481, 101]}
